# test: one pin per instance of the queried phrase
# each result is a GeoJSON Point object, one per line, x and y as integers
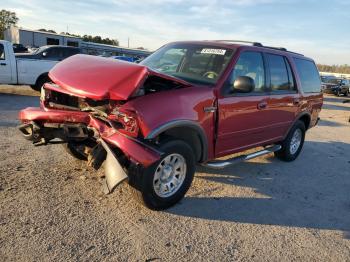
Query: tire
{"type": "Point", "coordinates": [149, 191]}
{"type": "Point", "coordinates": [338, 93]}
{"type": "Point", "coordinates": [290, 148]}
{"type": "Point", "coordinates": [40, 82]}
{"type": "Point", "coordinates": [346, 93]}
{"type": "Point", "coordinates": [75, 150]}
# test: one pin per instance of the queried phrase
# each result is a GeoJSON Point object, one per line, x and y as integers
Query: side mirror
{"type": "Point", "coordinates": [243, 84]}
{"type": "Point", "coordinates": [44, 54]}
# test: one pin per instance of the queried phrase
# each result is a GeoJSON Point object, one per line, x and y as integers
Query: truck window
{"type": "Point", "coordinates": [2, 52]}
{"type": "Point", "coordinates": [250, 64]}
{"type": "Point", "coordinates": [309, 76]}
{"type": "Point", "coordinates": [280, 74]}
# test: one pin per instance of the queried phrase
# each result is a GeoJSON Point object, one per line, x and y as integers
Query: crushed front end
{"type": "Point", "coordinates": [99, 131]}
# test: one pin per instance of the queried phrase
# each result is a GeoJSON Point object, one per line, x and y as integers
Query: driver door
{"type": "Point", "coordinates": [243, 117]}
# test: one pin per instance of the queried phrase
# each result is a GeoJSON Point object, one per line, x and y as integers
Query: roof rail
{"type": "Point", "coordinates": [241, 41]}
{"type": "Point", "coordinates": [258, 44]}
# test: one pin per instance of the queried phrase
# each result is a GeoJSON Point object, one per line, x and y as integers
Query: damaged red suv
{"type": "Point", "coordinates": [187, 103]}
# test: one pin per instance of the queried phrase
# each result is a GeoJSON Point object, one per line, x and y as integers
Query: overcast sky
{"type": "Point", "coordinates": [316, 28]}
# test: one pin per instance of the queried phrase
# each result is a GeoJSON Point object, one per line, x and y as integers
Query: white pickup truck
{"type": "Point", "coordinates": [30, 69]}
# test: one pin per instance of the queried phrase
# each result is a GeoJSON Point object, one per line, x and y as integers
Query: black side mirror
{"type": "Point", "coordinates": [243, 84]}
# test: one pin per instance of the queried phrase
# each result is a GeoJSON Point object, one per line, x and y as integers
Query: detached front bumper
{"type": "Point", "coordinates": [41, 124]}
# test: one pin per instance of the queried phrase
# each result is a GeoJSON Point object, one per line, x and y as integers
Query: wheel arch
{"type": "Point", "coordinates": [42, 76]}
{"type": "Point", "coordinates": [306, 119]}
{"type": "Point", "coordinates": [187, 130]}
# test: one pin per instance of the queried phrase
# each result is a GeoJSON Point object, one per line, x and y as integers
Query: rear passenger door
{"type": "Point", "coordinates": [284, 100]}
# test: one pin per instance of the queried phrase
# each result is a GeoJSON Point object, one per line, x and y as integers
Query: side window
{"type": "Point", "coordinates": [2, 52]}
{"type": "Point", "coordinates": [249, 64]}
{"type": "Point", "coordinates": [55, 53]}
{"type": "Point", "coordinates": [67, 52]}
{"type": "Point", "coordinates": [280, 74]}
{"type": "Point", "coordinates": [309, 76]}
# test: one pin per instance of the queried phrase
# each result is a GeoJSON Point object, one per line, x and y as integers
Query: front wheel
{"type": "Point", "coordinates": [293, 143]}
{"type": "Point", "coordinates": [166, 182]}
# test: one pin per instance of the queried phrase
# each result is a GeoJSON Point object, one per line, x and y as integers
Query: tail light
{"type": "Point", "coordinates": [128, 120]}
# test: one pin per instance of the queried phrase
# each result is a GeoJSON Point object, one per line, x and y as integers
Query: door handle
{"type": "Point", "coordinates": [3, 64]}
{"type": "Point", "coordinates": [262, 105]}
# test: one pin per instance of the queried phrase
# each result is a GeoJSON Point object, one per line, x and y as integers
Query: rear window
{"type": "Point", "coordinates": [309, 76]}
{"type": "Point", "coordinates": [2, 52]}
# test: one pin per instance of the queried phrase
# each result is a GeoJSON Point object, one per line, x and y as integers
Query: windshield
{"type": "Point", "coordinates": [40, 49]}
{"type": "Point", "coordinates": [194, 63]}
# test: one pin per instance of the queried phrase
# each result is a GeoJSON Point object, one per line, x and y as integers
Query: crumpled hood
{"type": "Point", "coordinates": [101, 78]}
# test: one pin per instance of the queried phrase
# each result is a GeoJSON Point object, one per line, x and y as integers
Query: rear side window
{"type": "Point", "coordinates": [280, 73]}
{"type": "Point", "coordinates": [309, 76]}
{"type": "Point", "coordinates": [2, 53]}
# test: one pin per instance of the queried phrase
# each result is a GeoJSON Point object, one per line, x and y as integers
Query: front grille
{"type": "Point", "coordinates": [54, 99]}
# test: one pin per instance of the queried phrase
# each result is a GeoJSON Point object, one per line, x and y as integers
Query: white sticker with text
{"type": "Point", "coordinates": [213, 51]}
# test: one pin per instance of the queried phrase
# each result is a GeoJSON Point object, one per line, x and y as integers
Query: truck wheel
{"type": "Point", "coordinates": [293, 143]}
{"type": "Point", "coordinates": [40, 82]}
{"type": "Point", "coordinates": [166, 182]}
{"type": "Point", "coordinates": [76, 150]}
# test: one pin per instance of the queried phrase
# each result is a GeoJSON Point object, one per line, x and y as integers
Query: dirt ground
{"type": "Point", "coordinates": [52, 208]}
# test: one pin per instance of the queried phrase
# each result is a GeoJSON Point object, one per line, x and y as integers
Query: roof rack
{"type": "Point", "coordinates": [240, 41]}
{"type": "Point", "coordinates": [258, 44]}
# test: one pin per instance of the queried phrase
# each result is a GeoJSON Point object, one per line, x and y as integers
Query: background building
{"type": "Point", "coordinates": [32, 38]}
{"type": "Point", "coordinates": [38, 38]}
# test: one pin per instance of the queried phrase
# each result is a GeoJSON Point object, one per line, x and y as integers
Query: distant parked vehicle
{"type": "Point", "coordinates": [19, 48]}
{"type": "Point", "coordinates": [337, 86]}
{"type": "Point", "coordinates": [124, 58]}
{"type": "Point", "coordinates": [51, 52]}
{"type": "Point", "coordinates": [30, 68]}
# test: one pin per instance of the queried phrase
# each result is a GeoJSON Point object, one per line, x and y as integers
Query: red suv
{"type": "Point", "coordinates": [187, 103]}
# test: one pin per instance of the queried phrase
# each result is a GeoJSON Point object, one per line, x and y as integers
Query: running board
{"type": "Point", "coordinates": [219, 164]}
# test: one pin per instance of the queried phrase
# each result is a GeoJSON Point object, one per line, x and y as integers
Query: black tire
{"type": "Point", "coordinates": [338, 92]}
{"type": "Point", "coordinates": [145, 192]}
{"type": "Point", "coordinates": [40, 82]}
{"type": "Point", "coordinates": [285, 153]}
{"type": "Point", "coordinates": [76, 150]}
{"type": "Point", "coordinates": [346, 93]}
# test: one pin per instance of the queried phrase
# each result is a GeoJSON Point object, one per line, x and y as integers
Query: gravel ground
{"type": "Point", "coordinates": [52, 208]}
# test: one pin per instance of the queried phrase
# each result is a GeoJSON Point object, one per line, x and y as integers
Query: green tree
{"type": "Point", "coordinates": [341, 69]}
{"type": "Point", "coordinates": [49, 31]}
{"type": "Point", "coordinates": [7, 18]}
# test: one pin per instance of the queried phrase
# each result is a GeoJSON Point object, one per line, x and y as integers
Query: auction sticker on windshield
{"type": "Point", "coordinates": [213, 51]}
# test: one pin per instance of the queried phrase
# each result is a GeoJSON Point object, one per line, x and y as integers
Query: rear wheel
{"type": "Point", "coordinates": [166, 182]}
{"type": "Point", "coordinates": [293, 143]}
